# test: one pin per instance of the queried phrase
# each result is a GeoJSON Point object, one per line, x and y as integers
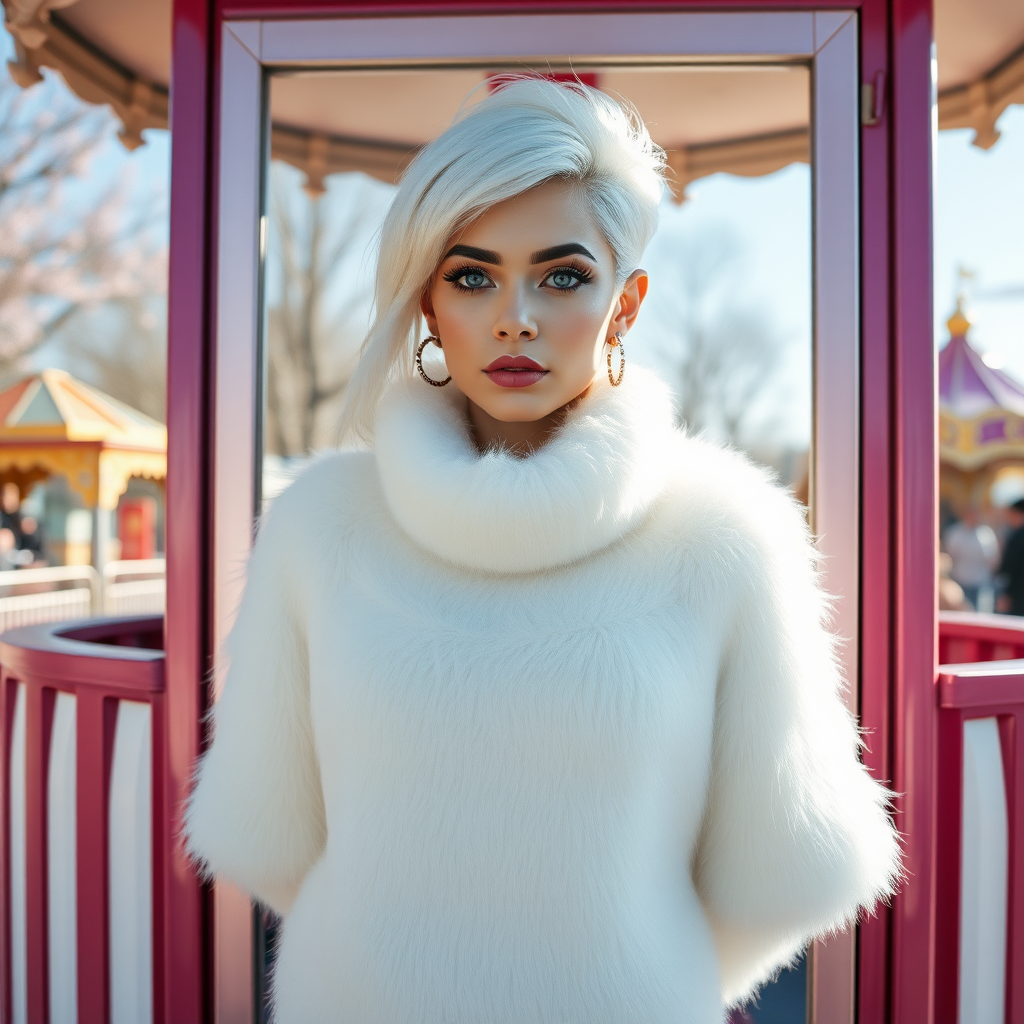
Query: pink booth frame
{"type": "Point", "coordinates": [873, 475]}
{"type": "Point", "coordinates": [251, 48]}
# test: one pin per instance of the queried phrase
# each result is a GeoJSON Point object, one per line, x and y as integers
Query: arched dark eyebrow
{"type": "Point", "coordinates": [473, 253]}
{"type": "Point", "coordinates": [558, 252]}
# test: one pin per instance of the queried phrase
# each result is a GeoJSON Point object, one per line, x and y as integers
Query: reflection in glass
{"type": "Point", "coordinates": [319, 287]}
{"type": "Point", "coordinates": [727, 322]}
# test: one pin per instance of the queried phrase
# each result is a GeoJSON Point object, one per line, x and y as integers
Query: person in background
{"type": "Point", "coordinates": [951, 594]}
{"type": "Point", "coordinates": [10, 510]}
{"type": "Point", "coordinates": [1011, 570]}
{"type": "Point", "coordinates": [31, 547]}
{"type": "Point", "coordinates": [975, 552]}
{"type": "Point", "coordinates": [8, 549]}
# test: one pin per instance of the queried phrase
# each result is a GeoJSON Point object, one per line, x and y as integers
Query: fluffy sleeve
{"type": "Point", "coordinates": [796, 838]}
{"type": "Point", "coordinates": [256, 813]}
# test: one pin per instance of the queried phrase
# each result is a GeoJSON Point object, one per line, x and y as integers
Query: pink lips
{"type": "Point", "coordinates": [514, 371]}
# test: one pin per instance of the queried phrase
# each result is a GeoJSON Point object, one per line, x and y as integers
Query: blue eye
{"type": "Point", "coordinates": [567, 279]}
{"type": "Point", "coordinates": [469, 279]}
{"type": "Point", "coordinates": [563, 279]}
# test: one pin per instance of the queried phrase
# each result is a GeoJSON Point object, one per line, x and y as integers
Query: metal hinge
{"type": "Point", "coordinates": [872, 100]}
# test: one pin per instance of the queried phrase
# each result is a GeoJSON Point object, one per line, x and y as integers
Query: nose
{"type": "Point", "coordinates": [515, 322]}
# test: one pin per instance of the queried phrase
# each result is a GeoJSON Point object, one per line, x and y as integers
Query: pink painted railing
{"type": "Point", "coordinates": [966, 637]}
{"type": "Point", "coordinates": [82, 868]}
{"type": "Point", "coordinates": [980, 819]}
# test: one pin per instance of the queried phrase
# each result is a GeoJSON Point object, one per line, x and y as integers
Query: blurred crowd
{"type": "Point", "coordinates": [981, 569]}
{"type": "Point", "coordinates": [21, 540]}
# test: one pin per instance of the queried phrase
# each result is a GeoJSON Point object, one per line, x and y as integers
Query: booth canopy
{"type": "Point", "coordinates": [981, 409]}
{"type": "Point", "coordinates": [118, 52]}
{"type": "Point", "coordinates": [52, 424]}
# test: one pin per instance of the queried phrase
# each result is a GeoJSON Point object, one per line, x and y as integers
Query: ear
{"type": "Point", "coordinates": [427, 309]}
{"type": "Point", "coordinates": [634, 291]}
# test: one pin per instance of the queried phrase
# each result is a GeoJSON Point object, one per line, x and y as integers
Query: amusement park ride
{"type": "Point", "coordinates": [981, 422]}
{"type": "Point", "coordinates": [113, 924]}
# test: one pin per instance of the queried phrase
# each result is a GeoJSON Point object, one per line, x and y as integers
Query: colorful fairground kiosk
{"type": "Point", "coordinates": [103, 918]}
{"type": "Point", "coordinates": [981, 424]}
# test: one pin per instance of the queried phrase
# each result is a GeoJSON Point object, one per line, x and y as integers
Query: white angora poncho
{"type": "Point", "coordinates": [555, 739]}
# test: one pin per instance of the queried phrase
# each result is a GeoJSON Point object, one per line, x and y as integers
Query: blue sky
{"type": "Point", "coordinates": [754, 232]}
{"type": "Point", "coordinates": [769, 221]}
{"type": "Point", "coordinates": [146, 171]}
{"type": "Point", "coordinates": [979, 225]}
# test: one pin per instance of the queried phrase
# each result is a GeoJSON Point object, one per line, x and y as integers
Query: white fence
{"type": "Point", "coordinates": [29, 596]}
{"type": "Point", "coordinates": [136, 587]}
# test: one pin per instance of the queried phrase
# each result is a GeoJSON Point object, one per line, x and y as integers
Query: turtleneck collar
{"type": "Point", "coordinates": [590, 484]}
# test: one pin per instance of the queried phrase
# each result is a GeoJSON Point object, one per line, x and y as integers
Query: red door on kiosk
{"type": "Point", "coordinates": [136, 527]}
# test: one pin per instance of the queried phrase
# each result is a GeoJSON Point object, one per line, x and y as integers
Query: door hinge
{"type": "Point", "coordinates": [872, 100]}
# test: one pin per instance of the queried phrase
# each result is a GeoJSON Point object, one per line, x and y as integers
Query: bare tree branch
{"type": "Point", "coordinates": [309, 357]}
{"type": "Point", "coordinates": [727, 354]}
{"type": "Point", "coordinates": [65, 246]}
{"type": "Point", "coordinates": [121, 349]}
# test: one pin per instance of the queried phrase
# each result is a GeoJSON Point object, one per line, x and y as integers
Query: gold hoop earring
{"type": "Point", "coordinates": [616, 342]}
{"type": "Point", "coordinates": [419, 362]}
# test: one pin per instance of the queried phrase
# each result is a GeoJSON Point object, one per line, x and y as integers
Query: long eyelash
{"type": "Point", "coordinates": [582, 272]}
{"type": "Point", "coordinates": [455, 273]}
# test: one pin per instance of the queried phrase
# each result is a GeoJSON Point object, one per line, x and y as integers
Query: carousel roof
{"type": "Point", "coordinates": [981, 409]}
{"type": "Point", "coordinates": [969, 387]}
{"type": "Point", "coordinates": [53, 406]}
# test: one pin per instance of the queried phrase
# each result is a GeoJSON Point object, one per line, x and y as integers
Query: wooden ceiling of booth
{"type": "Point", "coordinates": [681, 105]}
{"type": "Point", "coordinates": [748, 120]}
{"type": "Point", "coordinates": [972, 36]}
{"type": "Point", "coordinates": [117, 52]}
{"type": "Point", "coordinates": [318, 156]}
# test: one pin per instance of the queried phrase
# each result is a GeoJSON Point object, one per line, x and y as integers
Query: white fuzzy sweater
{"type": "Point", "coordinates": [555, 739]}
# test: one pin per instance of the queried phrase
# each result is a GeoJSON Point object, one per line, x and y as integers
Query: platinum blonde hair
{"type": "Point", "coordinates": [527, 132]}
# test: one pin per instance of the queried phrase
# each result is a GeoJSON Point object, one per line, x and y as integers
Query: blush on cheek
{"type": "Point", "coordinates": [582, 329]}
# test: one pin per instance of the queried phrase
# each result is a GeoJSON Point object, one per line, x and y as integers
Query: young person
{"type": "Point", "coordinates": [550, 729]}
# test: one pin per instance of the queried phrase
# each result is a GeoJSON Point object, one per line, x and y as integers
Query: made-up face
{"type": "Point", "coordinates": [524, 302]}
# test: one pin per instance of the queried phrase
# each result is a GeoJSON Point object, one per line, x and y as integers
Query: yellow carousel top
{"type": "Point", "coordinates": [981, 409]}
{"type": "Point", "coordinates": [53, 424]}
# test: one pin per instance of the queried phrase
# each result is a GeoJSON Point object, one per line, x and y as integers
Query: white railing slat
{"type": "Point", "coordinates": [19, 882]}
{"type": "Point", "coordinates": [61, 862]}
{"type": "Point", "coordinates": [983, 876]}
{"type": "Point", "coordinates": [135, 597]}
{"type": "Point", "coordinates": [131, 867]}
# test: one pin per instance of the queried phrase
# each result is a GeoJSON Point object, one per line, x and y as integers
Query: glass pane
{"type": "Point", "coordinates": [728, 319]}
{"type": "Point", "coordinates": [727, 322]}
